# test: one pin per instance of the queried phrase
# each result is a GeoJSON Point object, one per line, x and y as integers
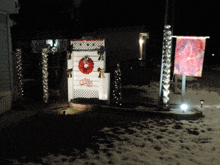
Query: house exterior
{"type": "Point", "coordinates": [120, 43]}
{"type": "Point", "coordinates": [7, 7]}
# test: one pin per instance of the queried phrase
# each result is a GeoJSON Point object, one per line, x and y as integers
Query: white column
{"type": "Point", "coordinates": [104, 89]}
{"type": "Point", "coordinates": [19, 72]}
{"type": "Point", "coordinates": [45, 74]}
{"type": "Point", "coordinates": [70, 79]}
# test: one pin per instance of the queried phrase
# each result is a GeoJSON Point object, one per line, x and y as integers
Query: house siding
{"type": "Point", "coordinates": [125, 44]}
{"type": "Point", "coordinates": [8, 6]}
{"type": "Point", "coordinates": [122, 43]}
{"type": "Point", "coordinates": [6, 68]}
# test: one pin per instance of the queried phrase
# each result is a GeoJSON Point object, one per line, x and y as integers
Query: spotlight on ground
{"type": "Point", "coordinates": [202, 102]}
{"type": "Point", "coordinates": [184, 107]}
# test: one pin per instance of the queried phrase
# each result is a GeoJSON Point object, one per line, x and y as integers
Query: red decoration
{"type": "Point", "coordinates": [86, 82]}
{"type": "Point", "coordinates": [189, 56]}
{"type": "Point", "coordinates": [86, 67]}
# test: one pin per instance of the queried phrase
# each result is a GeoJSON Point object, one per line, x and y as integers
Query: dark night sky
{"type": "Point", "coordinates": [190, 17]}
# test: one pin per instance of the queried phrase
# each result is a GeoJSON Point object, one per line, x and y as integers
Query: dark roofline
{"type": "Point", "coordinates": [142, 28]}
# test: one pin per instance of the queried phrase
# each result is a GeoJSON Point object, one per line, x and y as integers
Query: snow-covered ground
{"type": "Point", "coordinates": [137, 140]}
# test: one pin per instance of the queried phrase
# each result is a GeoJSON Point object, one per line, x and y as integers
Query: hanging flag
{"type": "Point", "coordinates": [189, 55]}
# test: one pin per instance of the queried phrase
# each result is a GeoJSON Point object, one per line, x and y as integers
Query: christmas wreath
{"type": "Point", "coordinates": [86, 65]}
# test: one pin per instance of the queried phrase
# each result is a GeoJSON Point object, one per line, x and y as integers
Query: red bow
{"type": "Point", "coordinates": [101, 72]}
{"type": "Point", "coordinates": [101, 56]}
{"type": "Point", "coordinates": [69, 72]}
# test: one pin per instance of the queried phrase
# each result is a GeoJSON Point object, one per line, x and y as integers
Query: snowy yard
{"type": "Point", "coordinates": [123, 138]}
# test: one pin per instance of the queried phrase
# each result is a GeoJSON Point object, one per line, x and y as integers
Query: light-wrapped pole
{"type": "Point", "coordinates": [19, 72]}
{"type": "Point", "coordinates": [117, 91]}
{"type": "Point", "coordinates": [45, 74]}
{"type": "Point", "coordinates": [167, 50]}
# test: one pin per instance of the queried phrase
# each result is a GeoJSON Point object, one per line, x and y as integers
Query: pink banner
{"type": "Point", "coordinates": [189, 55]}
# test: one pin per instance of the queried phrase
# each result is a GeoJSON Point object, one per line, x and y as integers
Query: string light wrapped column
{"type": "Point", "coordinates": [45, 74]}
{"type": "Point", "coordinates": [167, 49]}
{"type": "Point", "coordinates": [19, 73]}
{"type": "Point", "coordinates": [117, 87]}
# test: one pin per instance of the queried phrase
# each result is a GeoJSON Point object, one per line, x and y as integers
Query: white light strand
{"type": "Point", "coordinates": [117, 91]}
{"type": "Point", "coordinates": [167, 46]}
{"type": "Point", "coordinates": [45, 74]}
{"type": "Point", "coordinates": [19, 72]}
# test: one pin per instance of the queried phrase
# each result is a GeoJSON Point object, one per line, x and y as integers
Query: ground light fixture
{"type": "Point", "coordinates": [202, 102]}
{"type": "Point", "coordinates": [184, 107]}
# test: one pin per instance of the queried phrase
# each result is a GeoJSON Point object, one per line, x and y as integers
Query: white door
{"type": "Point", "coordinates": [85, 62]}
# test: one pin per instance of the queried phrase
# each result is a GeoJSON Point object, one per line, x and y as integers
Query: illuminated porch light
{"type": "Point", "coordinates": [53, 44]}
{"type": "Point", "coordinates": [50, 42]}
{"type": "Point", "coordinates": [141, 41]}
{"type": "Point", "coordinates": [56, 43]}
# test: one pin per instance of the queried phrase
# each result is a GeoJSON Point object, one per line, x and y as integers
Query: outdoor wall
{"type": "Point", "coordinates": [121, 43]}
{"type": "Point", "coordinates": [121, 46]}
{"type": "Point", "coordinates": [9, 6]}
{"type": "Point", "coordinates": [6, 60]}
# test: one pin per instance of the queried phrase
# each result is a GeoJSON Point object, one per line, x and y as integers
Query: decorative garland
{"type": "Point", "coordinates": [45, 74]}
{"type": "Point", "coordinates": [19, 72]}
{"type": "Point", "coordinates": [166, 65]}
{"type": "Point", "coordinates": [54, 49]}
{"type": "Point", "coordinates": [86, 65]}
{"type": "Point", "coordinates": [117, 89]}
